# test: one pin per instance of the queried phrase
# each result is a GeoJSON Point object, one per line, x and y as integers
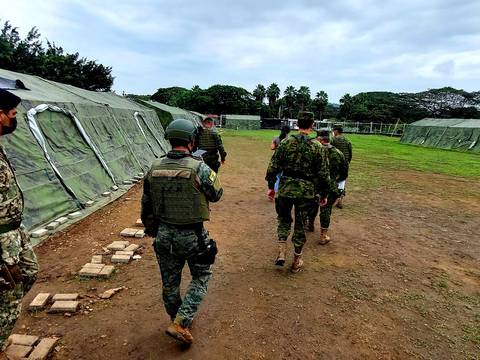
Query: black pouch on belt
{"type": "Point", "coordinates": [207, 249]}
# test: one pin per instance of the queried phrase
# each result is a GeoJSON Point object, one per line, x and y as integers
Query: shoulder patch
{"type": "Point", "coordinates": [212, 176]}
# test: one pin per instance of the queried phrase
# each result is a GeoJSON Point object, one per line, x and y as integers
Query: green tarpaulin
{"type": "Point", "coordinates": [71, 145]}
{"type": "Point", "coordinates": [460, 134]}
{"type": "Point", "coordinates": [242, 121]}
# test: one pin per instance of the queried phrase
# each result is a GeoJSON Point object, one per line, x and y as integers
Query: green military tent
{"type": "Point", "coordinates": [168, 113]}
{"type": "Point", "coordinates": [460, 134]}
{"type": "Point", "coordinates": [71, 145]}
{"type": "Point", "coordinates": [241, 121]}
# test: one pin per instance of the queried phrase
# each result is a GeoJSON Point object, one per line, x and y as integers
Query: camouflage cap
{"type": "Point", "coordinates": [306, 115]}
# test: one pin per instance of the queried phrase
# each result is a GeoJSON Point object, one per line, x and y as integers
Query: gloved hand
{"type": "Point", "coordinates": [323, 201]}
{"type": "Point", "coordinates": [271, 194]}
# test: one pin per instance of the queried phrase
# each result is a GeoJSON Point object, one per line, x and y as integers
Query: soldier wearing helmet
{"type": "Point", "coordinates": [211, 142]}
{"type": "Point", "coordinates": [177, 191]}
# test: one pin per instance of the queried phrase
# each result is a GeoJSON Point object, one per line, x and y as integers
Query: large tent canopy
{"type": "Point", "coordinates": [460, 134]}
{"type": "Point", "coordinates": [71, 145]}
{"type": "Point", "coordinates": [252, 122]}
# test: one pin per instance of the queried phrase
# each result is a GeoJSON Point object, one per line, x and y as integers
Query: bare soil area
{"type": "Point", "coordinates": [400, 280]}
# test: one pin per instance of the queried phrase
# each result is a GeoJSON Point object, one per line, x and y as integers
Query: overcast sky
{"type": "Point", "coordinates": [338, 46]}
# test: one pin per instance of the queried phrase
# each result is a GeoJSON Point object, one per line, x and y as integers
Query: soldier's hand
{"type": "Point", "coordinates": [222, 162]}
{"type": "Point", "coordinates": [271, 194]}
{"type": "Point", "coordinates": [16, 273]}
{"type": "Point", "coordinates": [323, 201]}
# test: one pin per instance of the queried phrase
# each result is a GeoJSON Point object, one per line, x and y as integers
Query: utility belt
{"type": "Point", "coordinates": [4, 228]}
{"type": "Point", "coordinates": [297, 175]}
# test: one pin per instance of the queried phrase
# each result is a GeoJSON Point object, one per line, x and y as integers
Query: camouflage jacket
{"type": "Point", "coordinates": [11, 197]}
{"type": "Point", "coordinates": [304, 166]}
{"type": "Point", "coordinates": [344, 145]}
{"type": "Point", "coordinates": [210, 141]}
{"type": "Point", "coordinates": [338, 167]}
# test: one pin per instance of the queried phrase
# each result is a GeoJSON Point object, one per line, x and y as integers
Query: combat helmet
{"type": "Point", "coordinates": [181, 129]}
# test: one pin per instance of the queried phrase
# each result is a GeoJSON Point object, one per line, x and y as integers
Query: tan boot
{"type": "Point", "coordinates": [339, 202]}
{"type": "Point", "coordinates": [297, 263]}
{"type": "Point", "coordinates": [282, 249]}
{"type": "Point", "coordinates": [180, 333]}
{"type": "Point", "coordinates": [324, 238]}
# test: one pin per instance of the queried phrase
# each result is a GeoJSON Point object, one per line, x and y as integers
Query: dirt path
{"type": "Point", "coordinates": [400, 280]}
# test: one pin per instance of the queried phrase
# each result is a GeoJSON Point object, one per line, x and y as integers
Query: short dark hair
{"type": "Point", "coordinates": [338, 128]}
{"type": "Point", "coordinates": [178, 142]}
{"type": "Point", "coordinates": [323, 135]}
{"type": "Point", "coordinates": [208, 119]}
{"type": "Point", "coordinates": [304, 123]}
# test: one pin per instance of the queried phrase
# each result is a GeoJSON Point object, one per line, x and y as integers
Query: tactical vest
{"type": "Point", "coordinates": [175, 191]}
{"type": "Point", "coordinates": [206, 140]}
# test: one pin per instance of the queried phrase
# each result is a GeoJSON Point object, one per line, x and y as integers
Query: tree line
{"type": "Point", "coordinates": [30, 56]}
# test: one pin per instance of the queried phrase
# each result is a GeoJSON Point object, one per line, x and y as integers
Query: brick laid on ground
{"type": "Point", "coordinates": [91, 270]}
{"type": "Point", "coordinates": [115, 246]}
{"type": "Point", "coordinates": [64, 297]}
{"type": "Point", "coordinates": [39, 301]}
{"type": "Point", "coordinates": [124, 252]}
{"type": "Point", "coordinates": [74, 215]}
{"type": "Point", "coordinates": [140, 233]}
{"type": "Point", "coordinates": [53, 225]}
{"type": "Point", "coordinates": [62, 220]}
{"type": "Point", "coordinates": [97, 259]}
{"type": "Point", "coordinates": [131, 247]}
{"type": "Point", "coordinates": [106, 271]}
{"type": "Point", "coordinates": [128, 232]}
{"type": "Point", "coordinates": [114, 188]}
{"type": "Point", "coordinates": [139, 223]}
{"type": "Point", "coordinates": [127, 182]}
{"type": "Point", "coordinates": [19, 339]}
{"type": "Point", "coordinates": [42, 350]}
{"type": "Point", "coordinates": [89, 203]}
{"type": "Point", "coordinates": [106, 194]}
{"type": "Point", "coordinates": [17, 351]}
{"type": "Point", "coordinates": [124, 259]}
{"type": "Point", "coordinates": [39, 233]}
{"type": "Point", "coordinates": [64, 306]}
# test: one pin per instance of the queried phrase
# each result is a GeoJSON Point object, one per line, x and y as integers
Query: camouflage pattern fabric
{"type": "Point", "coordinates": [173, 247]}
{"type": "Point", "coordinates": [344, 145]}
{"type": "Point", "coordinates": [210, 141]}
{"type": "Point", "coordinates": [15, 250]}
{"type": "Point", "coordinates": [305, 173]}
{"type": "Point", "coordinates": [11, 198]}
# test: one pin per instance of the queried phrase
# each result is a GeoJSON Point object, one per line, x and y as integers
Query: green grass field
{"type": "Point", "coordinates": [382, 152]}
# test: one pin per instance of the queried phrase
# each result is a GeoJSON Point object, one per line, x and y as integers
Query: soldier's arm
{"type": "Point", "coordinates": [146, 213]}
{"type": "Point", "coordinates": [323, 173]}
{"type": "Point", "coordinates": [342, 166]}
{"type": "Point", "coordinates": [274, 167]}
{"type": "Point", "coordinates": [221, 149]}
{"type": "Point", "coordinates": [209, 183]}
{"type": "Point", "coordinates": [350, 151]}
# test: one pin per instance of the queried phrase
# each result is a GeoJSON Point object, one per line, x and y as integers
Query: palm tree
{"type": "Point", "coordinates": [303, 97]}
{"type": "Point", "coordinates": [259, 92]}
{"type": "Point", "coordinates": [290, 96]}
{"type": "Point", "coordinates": [273, 93]}
{"type": "Point", "coordinates": [346, 103]}
{"type": "Point", "coordinates": [320, 103]}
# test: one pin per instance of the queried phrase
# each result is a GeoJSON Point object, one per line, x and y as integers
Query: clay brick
{"type": "Point", "coordinates": [127, 182]}
{"type": "Point", "coordinates": [124, 252]}
{"type": "Point", "coordinates": [131, 247]}
{"type": "Point", "coordinates": [91, 271]}
{"type": "Point", "coordinates": [114, 188]}
{"type": "Point", "coordinates": [128, 232]}
{"type": "Point", "coordinates": [141, 174]}
{"type": "Point", "coordinates": [42, 350]}
{"type": "Point", "coordinates": [106, 194]}
{"type": "Point", "coordinates": [65, 297]}
{"type": "Point", "coordinates": [140, 233]}
{"type": "Point", "coordinates": [62, 220]}
{"type": "Point", "coordinates": [74, 215]}
{"type": "Point", "coordinates": [89, 203]}
{"type": "Point", "coordinates": [19, 339]}
{"type": "Point", "coordinates": [93, 266]}
{"type": "Point", "coordinates": [139, 223]}
{"type": "Point", "coordinates": [106, 271]}
{"type": "Point", "coordinates": [97, 259]}
{"type": "Point", "coordinates": [39, 301]}
{"type": "Point", "coordinates": [53, 225]}
{"type": "Point", "coordinates": [17, 351]}
{"type": "Point", "coordinates": [124, 259]}
{"type": "Point", "coordinates": [39, 233]}
{"type": "Point", "coordinates": [116, 246]}
{"type": "Point", "coordinates": [64, 306]}
{"type": "Point", "coordinates": [133, 180]}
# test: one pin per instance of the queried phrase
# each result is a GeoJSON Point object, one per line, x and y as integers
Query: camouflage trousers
{"type": "Point", "coordinates": [325, 211]}
{"type": "Point", "coordinates": [174, 247]}
{"type": "Point", "coordinates": [16, 250]}
{"type": "Point", "coordinates": [283, 206]}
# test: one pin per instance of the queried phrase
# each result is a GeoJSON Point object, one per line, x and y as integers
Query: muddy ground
{"type": "Point", "coordinates": [400, 279]}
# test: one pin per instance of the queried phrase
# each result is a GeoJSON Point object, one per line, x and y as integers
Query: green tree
{"type": "Point", "coordinates": [273, 93]}
{"type": "Point", "coordinates": [290, 98]}
{"type": "Point", "coordinates": [303, 98]}
{"type": "Point", "coordinates": [320, 103]}
{"type": "Point", "coordinates": [259, 93]}
{"type": "Point", "coordinates": [346, 106]}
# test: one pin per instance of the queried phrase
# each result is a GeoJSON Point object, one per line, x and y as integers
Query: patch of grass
{"type": "Point", "coordinates": [387, 153]}
{"type": "Point", "coordinates": [471, 332]}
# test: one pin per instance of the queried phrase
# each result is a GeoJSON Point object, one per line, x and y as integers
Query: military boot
{"type": "Point", "coordinates": [180, 333]}
{"type": "Point", "coordinates": [297, 262]}
{"type": "Point", "coordinates": [282, 249]}
{"type": "Point", "coordinates": [324, 238]}
{"type": "Point", "coordinates": [339, 202]}
{"type": "Point", "coordinates": [310, 226]}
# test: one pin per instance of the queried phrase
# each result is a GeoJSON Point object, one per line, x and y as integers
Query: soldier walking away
{"type": "Point", "coordinates": [176, 193]}
{"type": "Point", "coordinates": [284, 131]}
{"type": "Point", "coordinates": [345, 146]}
{"type": "Point", "coordinates": [211, 141]}
{"type": "Point", "coordinates": [338, 173]}
{"type": "Point", "coordinates": [18, 263]}
{"type": "Point", "coordinates": [303, 163]}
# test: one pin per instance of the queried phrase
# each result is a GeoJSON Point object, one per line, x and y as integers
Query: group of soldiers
{"type": "Point", "coordinates": [177, 191]}
{"type": "Point", "coordinates": [311, 172]}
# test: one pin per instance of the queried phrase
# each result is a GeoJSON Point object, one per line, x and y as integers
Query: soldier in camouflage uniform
{"type": "Point", "coordinates": [210, 141]}
{"type": "Point", "coordinates": [345, 146]}
{"type": "Point", "coordinates": [338, 172]}
{"type": "Point", "coordinates": [305, 174]}
{"type": "Point", "coordinates": [18, 263]}
{"type": "Point", "coordinates": [175, 203]}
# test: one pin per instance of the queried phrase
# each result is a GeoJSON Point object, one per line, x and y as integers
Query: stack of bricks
{"type": "Point", "coordinates": [62, 303]}
{"type": "Point", "coordinates": [96, 269]}
{"type": "Point", "coordinates": [123, 251]}
{"type": "Point", "coordinates": [29, 347]}
{"type": "Point", "coordinates": [132, 232]}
